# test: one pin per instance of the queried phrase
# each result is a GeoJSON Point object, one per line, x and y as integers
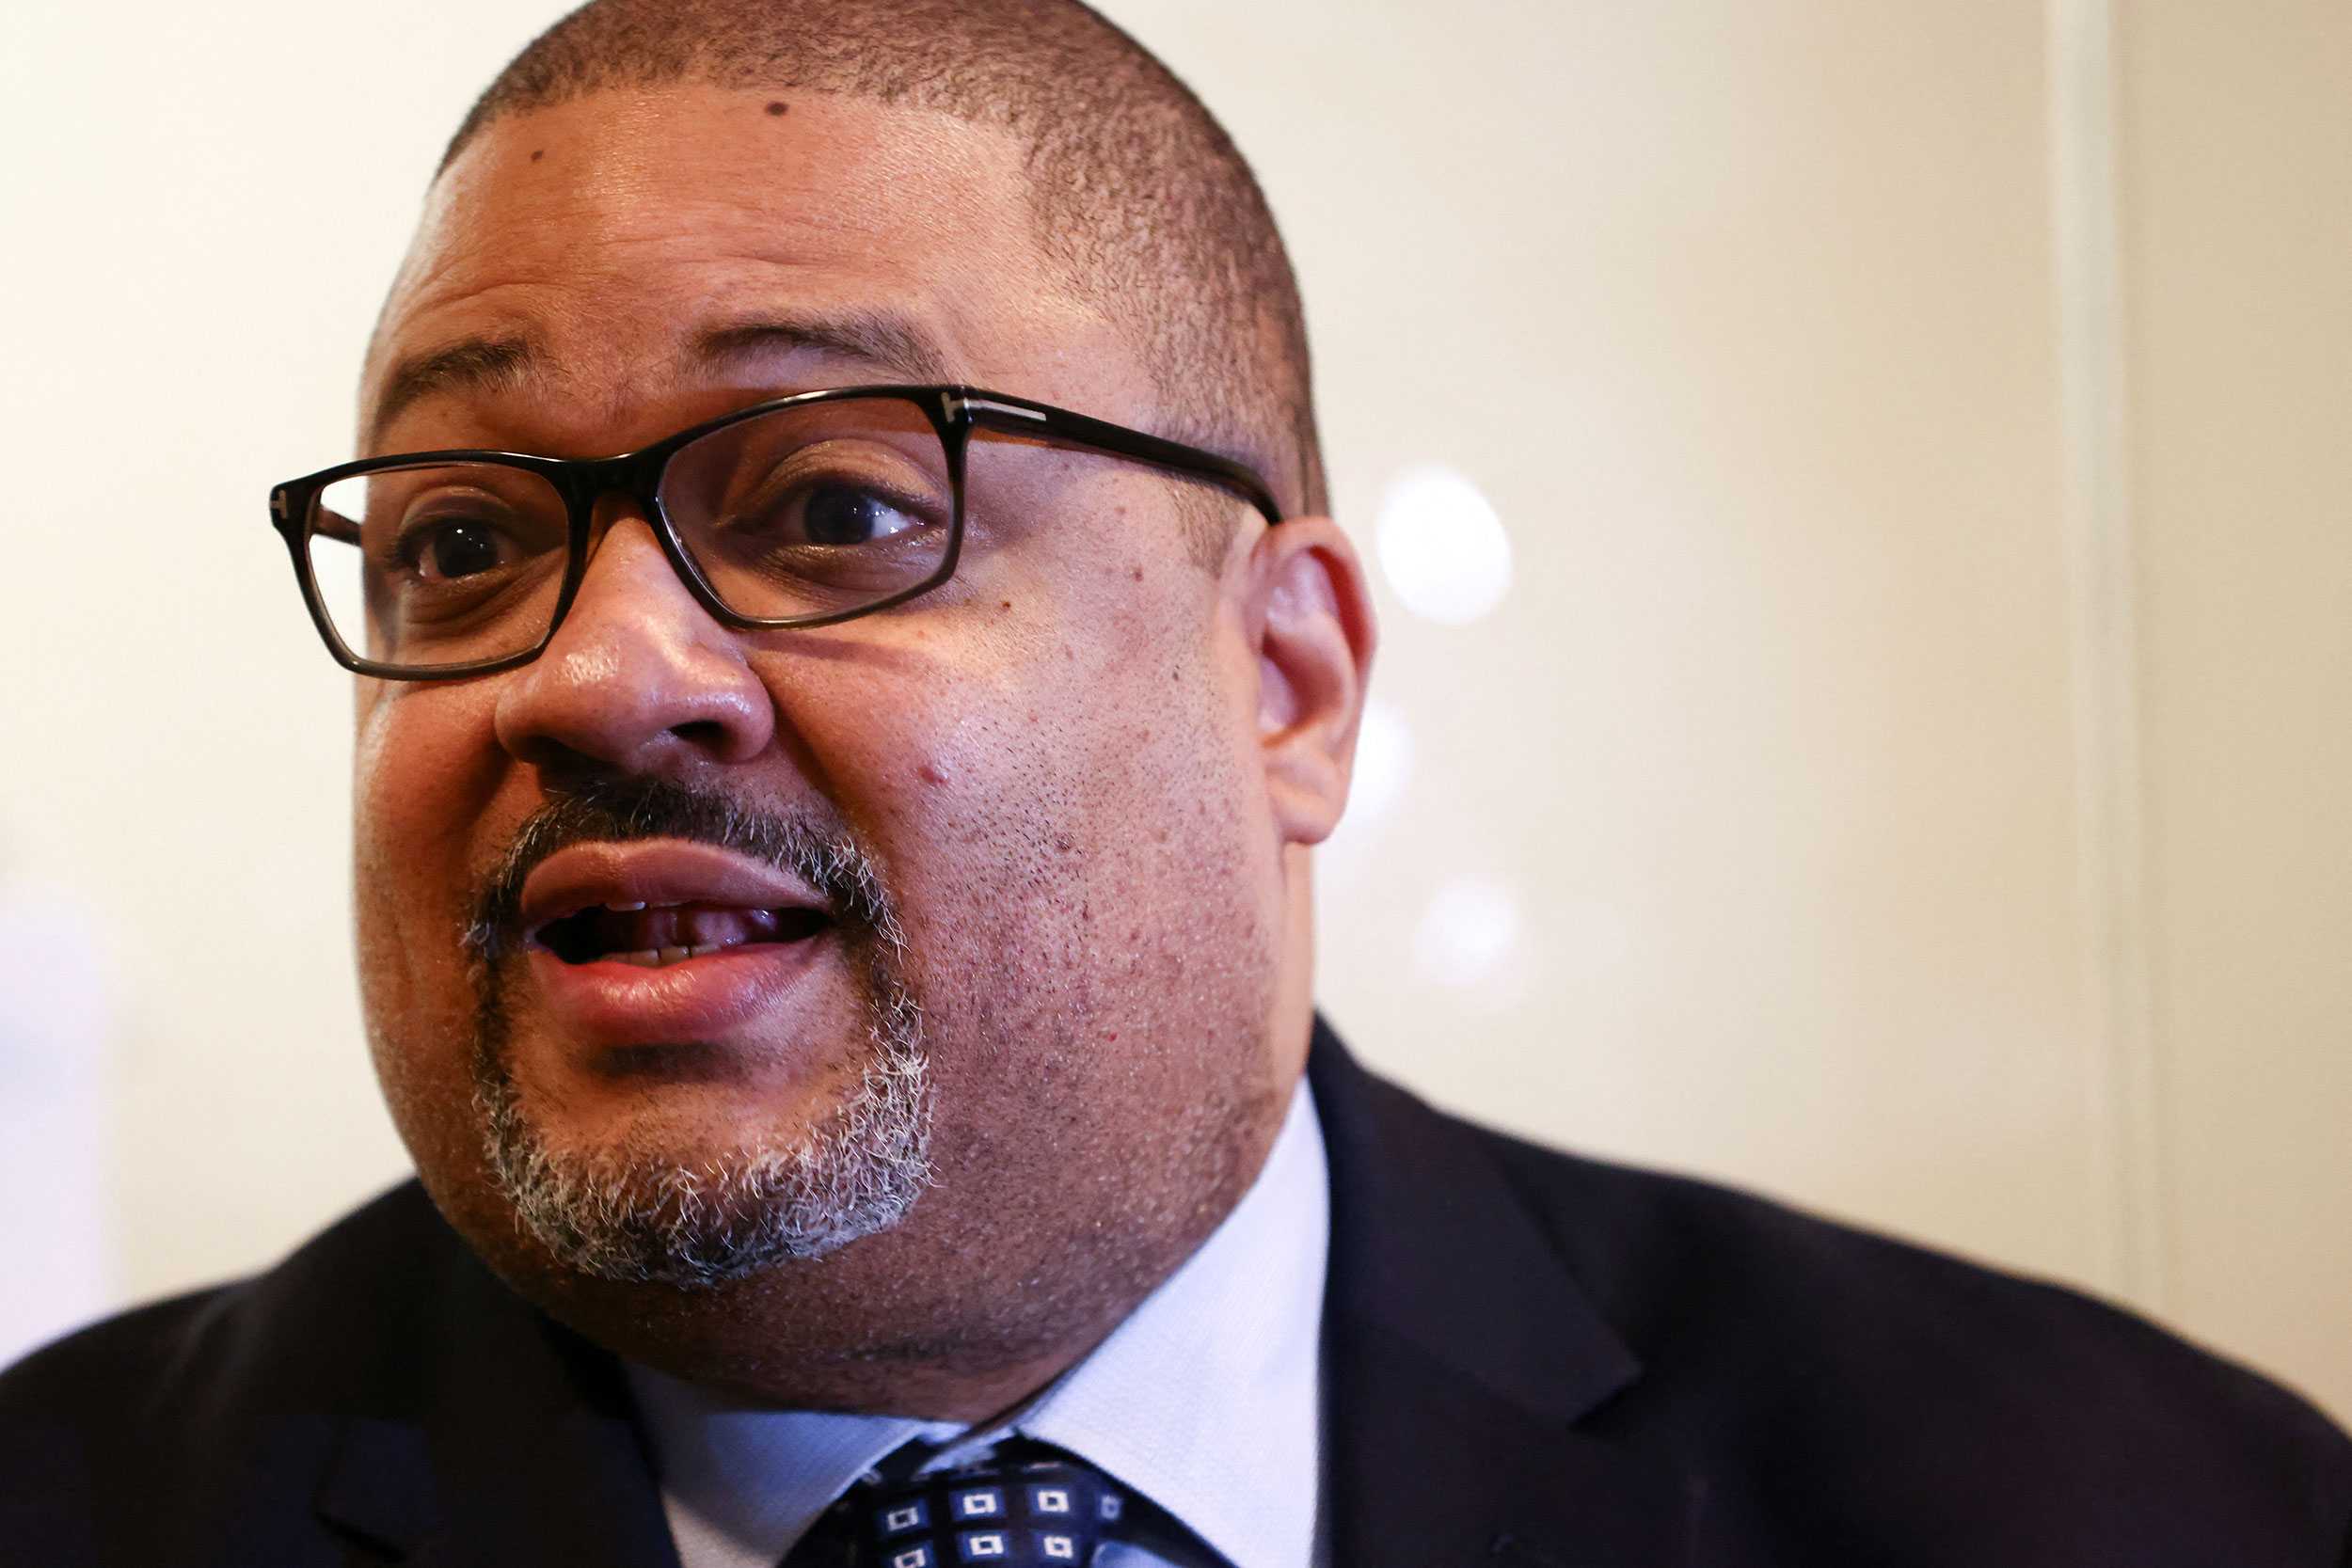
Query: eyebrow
{"type": "Point", "coordinates": [889, 342]}
{"type": "Point", "coordinates": [466, 365]}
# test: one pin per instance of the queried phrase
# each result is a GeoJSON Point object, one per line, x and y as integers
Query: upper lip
{"type": "Point", "coordinates": [586, 875]}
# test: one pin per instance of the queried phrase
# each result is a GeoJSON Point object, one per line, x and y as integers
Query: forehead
{"type": "Point", "coordinates": [608, 264]}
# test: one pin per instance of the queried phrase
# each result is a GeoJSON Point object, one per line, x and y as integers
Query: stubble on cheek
{"type": "Point", "coordinates": [1098, 969]}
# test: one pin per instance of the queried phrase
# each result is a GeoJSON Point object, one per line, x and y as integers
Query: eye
{"type": "Point", "coordinates": [458, 549]}
{"type": "Point", "coordinates": [454, 547]}
{"type": "Point", "coordinates": [836, 513]}
{"type": "Point", "coordinates": [829, 512]}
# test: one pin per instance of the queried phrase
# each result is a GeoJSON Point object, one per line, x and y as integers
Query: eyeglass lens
{"type": "Point", "coordinates": [815, 509]}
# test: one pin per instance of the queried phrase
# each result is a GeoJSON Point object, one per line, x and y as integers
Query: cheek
{"type": "Point", "coordinates": [425, 763]}
{"type": "Point", "coordinates": [1073, 824]}
{"type": "Point", "coordinates": [1071, 720]}
{"type": "Point", "coordinates": [424, 768]}
{"type": "Point", "coordinates": [1091, 893]}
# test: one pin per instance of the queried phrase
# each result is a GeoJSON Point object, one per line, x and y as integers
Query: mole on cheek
{"type": "Point", "coordinates": [779, 107]}
{"type": "Point", "coordinates": [537, 153]}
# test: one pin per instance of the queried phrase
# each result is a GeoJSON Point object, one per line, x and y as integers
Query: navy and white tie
{"type": "Point", "coordinates": [1025, 1505]}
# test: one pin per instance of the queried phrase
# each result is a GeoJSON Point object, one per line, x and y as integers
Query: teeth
{"type": "Point", "coordinates": [660, 957]}
{"type": "Point", "coordinates": [626, 909]}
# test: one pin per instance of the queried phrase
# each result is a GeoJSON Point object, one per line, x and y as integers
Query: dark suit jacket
{"type": "Point", "coordinates": [1534, 1361]}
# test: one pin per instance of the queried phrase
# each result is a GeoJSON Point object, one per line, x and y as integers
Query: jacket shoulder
{"type": "Point", "coordinates": [1819, 1348]}
{"type": "Point", "coordinates": [341, 1288]}
{"type": "Point", "coordinates": [210, 1416]}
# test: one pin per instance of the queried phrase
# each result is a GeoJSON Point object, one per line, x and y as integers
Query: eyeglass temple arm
{"type": "Point", "coordinates": [283, 507]}
{"type": "Point", "coordinates": [1016, 418]}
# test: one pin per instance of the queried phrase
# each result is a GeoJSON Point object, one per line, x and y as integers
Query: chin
{"type": "Point", "coordinates": [697, 1185]}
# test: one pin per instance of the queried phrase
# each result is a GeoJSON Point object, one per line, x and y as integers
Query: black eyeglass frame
{"type": "Point", "coordinates": [954, 411]}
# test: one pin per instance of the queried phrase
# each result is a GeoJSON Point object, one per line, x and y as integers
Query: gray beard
{"type": "Point", "coordinates": [645, 1219]}
{"type": "Point", "coordinates": [639, 1216]}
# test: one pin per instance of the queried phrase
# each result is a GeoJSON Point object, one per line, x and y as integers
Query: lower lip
{"type": "Point", "coordinates": [607, 1003]}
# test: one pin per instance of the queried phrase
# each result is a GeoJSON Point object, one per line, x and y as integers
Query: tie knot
{"type": "Point", "coordinates": [1023, 1503]}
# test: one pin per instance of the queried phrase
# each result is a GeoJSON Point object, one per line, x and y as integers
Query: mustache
{"type": "Point", "coordinates": [822, 852]}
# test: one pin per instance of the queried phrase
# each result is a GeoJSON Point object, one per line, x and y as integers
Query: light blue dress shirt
{"type": "Point", "coordinates": [1207, 1401]}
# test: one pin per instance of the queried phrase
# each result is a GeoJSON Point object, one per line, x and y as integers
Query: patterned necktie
{"type": "Point", "coordinates": [1024, 1504]}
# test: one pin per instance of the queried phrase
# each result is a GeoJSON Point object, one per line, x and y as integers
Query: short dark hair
{"type": "Point", "coordinates": [1137, 194]}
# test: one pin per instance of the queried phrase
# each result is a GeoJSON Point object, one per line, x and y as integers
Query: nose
{"type": "Point", "coordinates": [639, 678]}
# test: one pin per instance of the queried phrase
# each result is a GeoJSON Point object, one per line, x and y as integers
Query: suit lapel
{"type": "Point", "coordinates": [514, 1444]}
{"type": "Point", "coordinates": [1461, 1355]}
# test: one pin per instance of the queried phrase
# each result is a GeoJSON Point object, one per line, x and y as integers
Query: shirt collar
{"type": "Point", "coordinates": [1206, 1400]}
{"type": "Point", "coordinates": [742, 1482]}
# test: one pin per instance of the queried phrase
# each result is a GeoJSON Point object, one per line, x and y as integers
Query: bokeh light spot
{"type": "Point", "coordinates": [1469, 934]}
{"type": "Point", "coordinates": [1443, 547]}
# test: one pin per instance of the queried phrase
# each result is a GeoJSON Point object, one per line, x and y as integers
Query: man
{"type": "Point", "coordinates": [834, 911]}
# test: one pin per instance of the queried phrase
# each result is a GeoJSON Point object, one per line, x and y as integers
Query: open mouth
{"type": "Point", "coordinates": [653, 936]}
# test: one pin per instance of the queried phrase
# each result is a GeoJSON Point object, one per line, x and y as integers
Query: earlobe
{"type": "Point", "coordinates": [1310, 618]}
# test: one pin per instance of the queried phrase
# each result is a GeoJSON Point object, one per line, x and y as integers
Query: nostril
{"type": "Point", "coordinates": [708, 733]}
{"type": "Point", "coordinates": [555, 761]}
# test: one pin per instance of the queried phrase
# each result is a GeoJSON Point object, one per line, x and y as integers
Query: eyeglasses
{"type": "Point", "coordinates": [801, 511]}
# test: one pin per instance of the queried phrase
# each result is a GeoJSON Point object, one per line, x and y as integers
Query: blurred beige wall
{"type": "Point", "coordinates": [1905, 768]}
{"type": "Point", "coordinates": [2236, 142]}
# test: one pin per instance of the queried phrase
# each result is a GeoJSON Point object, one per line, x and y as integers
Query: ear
{"type": "Point", "coordinates": [1308, 617]}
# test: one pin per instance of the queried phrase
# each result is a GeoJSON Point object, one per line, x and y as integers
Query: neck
{"type": "Point", "coordinates": [805, 1337]}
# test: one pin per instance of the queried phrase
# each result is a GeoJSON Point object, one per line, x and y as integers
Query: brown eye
{"type": "Point", "coordinates": [458, 548]}
{"type": "Point", "coordinates": [841, 515]}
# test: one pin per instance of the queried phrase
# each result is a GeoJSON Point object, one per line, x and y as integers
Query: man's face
{"type": "Point", "coordinates": [1048, 769]}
